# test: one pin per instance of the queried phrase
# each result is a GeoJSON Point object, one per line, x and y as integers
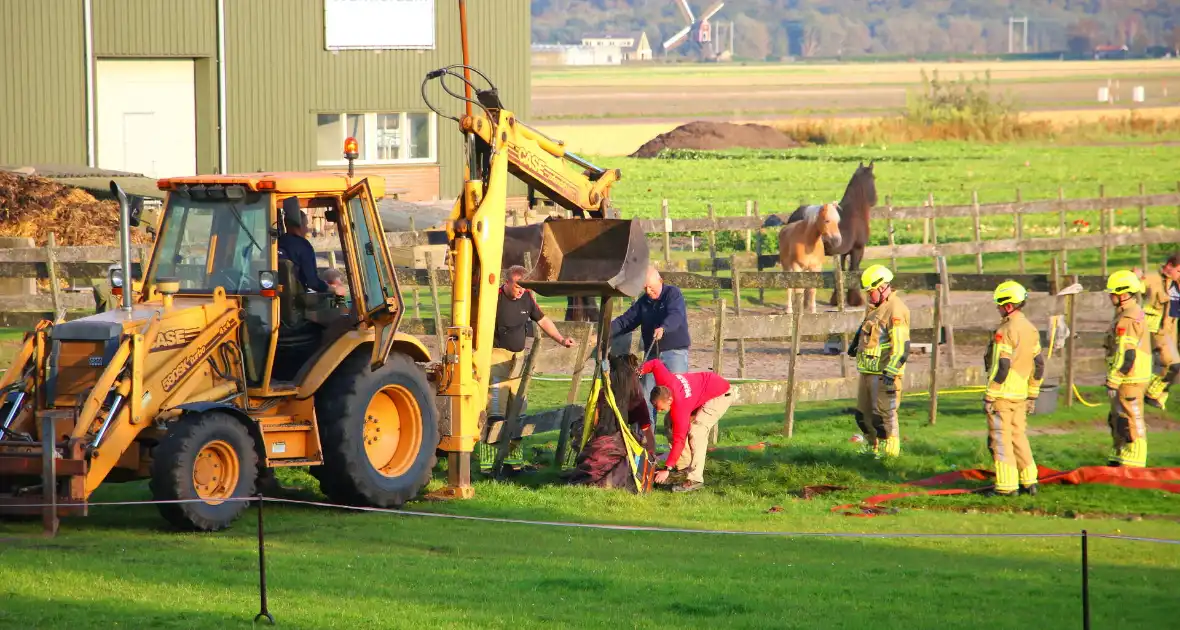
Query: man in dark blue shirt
{"type": "Point", "coordinates": [294, 246]}
{"type": "Point", "coordinates": [662, 318]}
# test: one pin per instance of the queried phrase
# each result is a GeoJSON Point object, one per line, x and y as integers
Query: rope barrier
{"type": "Point", "coordinates": [613, 527]}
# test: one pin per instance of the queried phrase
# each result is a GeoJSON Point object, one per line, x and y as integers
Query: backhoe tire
{"type": "Point", "coordinates": [209, 456]}
{"type": "Point", "coordinates": [378, 432]}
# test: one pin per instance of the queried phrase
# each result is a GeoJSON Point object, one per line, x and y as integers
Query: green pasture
{"type": "Point", "coordinates": [906, 174]}
{"type": "Point", "coordinates": [122, 567]}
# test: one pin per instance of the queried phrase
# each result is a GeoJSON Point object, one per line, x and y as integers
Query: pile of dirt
{"type": "Point", "coordinates": [717, 136]}
{"type": "Point", "coordinates": [33, 207]}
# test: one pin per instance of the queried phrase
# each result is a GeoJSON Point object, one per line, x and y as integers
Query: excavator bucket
{"type": "Point", "coordinates": [590, 257]}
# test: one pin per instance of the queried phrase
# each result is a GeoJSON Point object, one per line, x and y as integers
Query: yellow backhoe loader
{"type": "Point", "coordinates": [223, 366]}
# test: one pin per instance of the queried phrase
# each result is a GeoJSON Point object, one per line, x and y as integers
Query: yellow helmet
{"type": "Point", "coordinates": [1010, 292]}
{"type": "Point", "coordinates": [875, 276]}
{"type": "Point", "coordinates": [1123, 282]}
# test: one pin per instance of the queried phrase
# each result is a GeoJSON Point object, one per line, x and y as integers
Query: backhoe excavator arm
{"type": "Point", "coordinates": [591, 257]}
{"type": "Point", "coordinates": [544, 164]}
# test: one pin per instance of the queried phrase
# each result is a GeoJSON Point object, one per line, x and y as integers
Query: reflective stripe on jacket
{"type": "Point", "coordinates": [1128, 332]}
{"type": "Point", "coordinates": [884, 338]}
{"type": "Point", "coordinates": [1018, 341]}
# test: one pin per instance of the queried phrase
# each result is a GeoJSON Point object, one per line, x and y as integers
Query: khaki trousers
{"type": "Point", "coordinates": [505, 376]}
{"type": "Point", "coordinates": [1007, 441]}
{"type": "Point", "coordinates": [692, 458]}
{"type": "Point", "coordinates": [876, 413]}
{"type": "Point", "coordinates": [1127, 426]}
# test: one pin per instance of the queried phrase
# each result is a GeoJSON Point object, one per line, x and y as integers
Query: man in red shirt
{"type": "Point", "coordinates": [694, 401]}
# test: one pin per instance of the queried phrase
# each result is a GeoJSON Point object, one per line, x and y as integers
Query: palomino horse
{"type": "Point", "coordinates": [801, 245]}
{"type": "Point", "coordinates": [859, 198]}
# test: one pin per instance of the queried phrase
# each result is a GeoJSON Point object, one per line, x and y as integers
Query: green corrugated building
{"type": "Point", "coordinates": [178, 87]}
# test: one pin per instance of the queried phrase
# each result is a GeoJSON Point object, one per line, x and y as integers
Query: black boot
{"type": "Point", "coordinates": [1029, 490]}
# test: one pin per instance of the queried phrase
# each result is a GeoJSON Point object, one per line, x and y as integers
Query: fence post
{"type": "Point", "coordinates": [944, 293]}
{"type": "Point", "coordinates": [934, 354]}
{"type": "Point", "coordinates": [1061, 220]}
{"type": "Point", "coordinates": [439, 329]}
{"type": "Point", "coordinates": [1070, 347]}
{"type": "Point", "coordinates": [1020, 227]}
{"type": "Point", "coordinates": [713, 250]}
{"type": "Point", "coordinates": [975, 224]}
{"type": "Point", "coordinates": [719, 337]}
{"type": "Point", "coordinates": [737, 311]}
{"type": "Point", "coordinates": [1055, 276]}
{"type": "Point", "coordinates": [59, 312]}
{"type": "Point", "coordinates": [889, 232]}
{"type": "Point", "coordinates": [571, 396]}
{"type": "Point", "coordinates": [331, 260]}
{"type": "Point", "coordinates": [758, 253]}
{"type": "Point", "coordinates": [749, 213]}
{"type": "Point", "coordinates": [841, 307]}
{"type": "Point", "coordinates": [932, 220]}
{"type": "Point", "coordinates": [1142, 230]}
{"type": "Point", "coordinates": [1104, 229]}
{"type": "Point", "coordinates": [667, 230]}
{"type": "Point", "coordinates": [417, 303]}
{"type": "Point", "coordinates": [796, 333]}
{"type": "Point", "coordinates": [926, 222]}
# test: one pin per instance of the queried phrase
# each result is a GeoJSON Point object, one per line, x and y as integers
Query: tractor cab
{"type": "Point", "coordinates": [224, 234]}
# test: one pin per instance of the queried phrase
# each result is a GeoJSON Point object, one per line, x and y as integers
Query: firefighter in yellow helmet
{"type": "Point", "coordinates": [1128, 355]}
{"type": "Point", "coordinates": [1015, 371]}
{"type": "Point", "coordinates": [880, 348]}
{"type": "Point", "coordinates": [1162, 326]}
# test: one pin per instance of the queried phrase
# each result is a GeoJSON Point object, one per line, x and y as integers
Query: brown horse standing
{"type": "Point", "coordinates": [801, 245]}
{"type": "Point", "coordinates": [859, 198]}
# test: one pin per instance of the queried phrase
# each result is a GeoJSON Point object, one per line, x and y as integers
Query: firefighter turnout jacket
{"type": "Point", "coordinates": [1128, 347]}
{"type": "Point", "coordinates": [883, 342]}
{"type": "Point", "coordinates": [1157, 303]}
{"type": "Point", "coordinates": [1015, 364]}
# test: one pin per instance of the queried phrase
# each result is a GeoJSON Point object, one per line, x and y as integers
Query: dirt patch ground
{"type": "Point", "coordinates": [716, 136]}
{"type": "Point", "coordinates": [32, 206]}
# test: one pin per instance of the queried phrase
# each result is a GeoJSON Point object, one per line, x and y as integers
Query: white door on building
{"type": "Point", "coordinates": [146, 116]}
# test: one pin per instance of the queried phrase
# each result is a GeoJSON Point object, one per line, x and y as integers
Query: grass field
{"type": "Point", "coordinates": [334, 569]}
{"type": "Point", "coordinates": [732, 91]}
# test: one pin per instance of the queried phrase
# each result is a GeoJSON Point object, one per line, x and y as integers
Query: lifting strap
{"type": "Point", "coordinates": [635, 451]}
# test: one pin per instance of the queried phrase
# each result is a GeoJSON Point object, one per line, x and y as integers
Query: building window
{"type": "Point", "coordinates": [382, 138]}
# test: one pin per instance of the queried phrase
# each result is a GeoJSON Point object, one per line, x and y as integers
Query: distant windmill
{"type": "Point", "coordinates": [698, 33]}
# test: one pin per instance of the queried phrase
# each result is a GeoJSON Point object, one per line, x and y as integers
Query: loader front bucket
{"type": "Point", "coordinates": [590, 257]}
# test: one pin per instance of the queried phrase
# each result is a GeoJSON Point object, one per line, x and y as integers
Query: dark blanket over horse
{"type": "Point", "coordinates": [859, 198]}
{"type": "Point", "coordinates": [603, 461]}
{"type": "Point", "coordinates": [527, 238]}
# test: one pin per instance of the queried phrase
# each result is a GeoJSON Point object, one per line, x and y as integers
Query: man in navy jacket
{"type": "Point", "coordinates": [661, 317]}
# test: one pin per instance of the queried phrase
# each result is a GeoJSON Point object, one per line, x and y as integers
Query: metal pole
{"type": "Point", "coordinates": [1085, 580]}
{"type": "Point", "coordinates": [263, 612]}
{"type": "Point", "coordinates": [125, 242]}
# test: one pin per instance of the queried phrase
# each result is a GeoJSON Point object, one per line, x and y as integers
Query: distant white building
{"type": "Point", "coordinates": [634, 46]}
{"type": "Point", "coordinates": [558, 55]}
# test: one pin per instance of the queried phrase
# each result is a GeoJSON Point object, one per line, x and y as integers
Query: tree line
{"type": "Point", "coordinates": [778, 29]}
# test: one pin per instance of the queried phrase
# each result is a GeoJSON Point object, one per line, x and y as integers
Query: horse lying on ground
{"type": "Point", "coordinates": [859, 198]}
{"type": "Point", "coordinates": [801, 246]}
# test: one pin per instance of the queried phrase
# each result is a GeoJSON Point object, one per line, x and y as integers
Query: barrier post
{"type": "Point", "coordinates": [263, 610]}
{"type": "Point", "coordinates": [1085, 581]}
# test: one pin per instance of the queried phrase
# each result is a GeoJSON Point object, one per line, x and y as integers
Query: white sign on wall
{"type": "Point", "coordinates": [378, 24]}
